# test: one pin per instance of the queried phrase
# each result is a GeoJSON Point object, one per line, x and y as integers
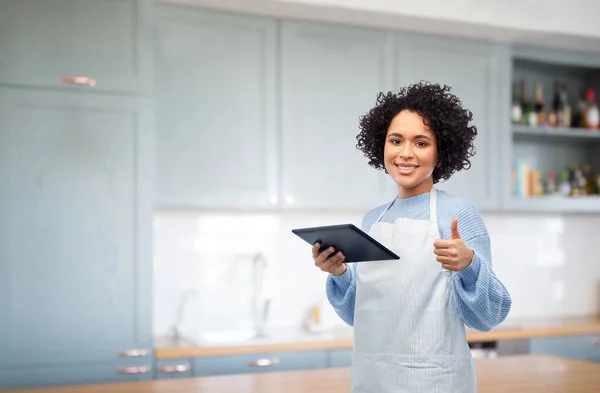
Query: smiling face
{"type": "Point", "coordinates": [410, 154]}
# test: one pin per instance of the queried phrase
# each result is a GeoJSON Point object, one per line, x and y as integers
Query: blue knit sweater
{"type": "Point", "coordinates": [482, 301]}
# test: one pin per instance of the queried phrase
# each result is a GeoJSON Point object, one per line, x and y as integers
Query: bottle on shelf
{"type": "Point", "coordinates": [540, 109]}
{"type": "Point", "coordinates": [592, 115]}
{"type": "Point", "coordinates": [550, 187]}
{"type": "Point", "coordinates": [561, 106]}
{"type": "Point", "coordinates": [516, 112]}
{"type": "Point", "coordinates": [529, 114]}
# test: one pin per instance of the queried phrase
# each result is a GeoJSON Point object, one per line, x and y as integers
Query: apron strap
{"type": "Point", "coordinates": [433, 206]}
{"type": "Point", "coordinates": [385, 210]}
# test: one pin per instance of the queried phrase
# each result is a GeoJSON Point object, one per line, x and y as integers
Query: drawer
{"type": "Point", "coordinates": [173, 368]}
{"type": "Point", "coordinates": [584, 347]}
{"type": "Point", "coordinates": [340, 358]}
{"type": "Point", "coordinates": [257, 363]}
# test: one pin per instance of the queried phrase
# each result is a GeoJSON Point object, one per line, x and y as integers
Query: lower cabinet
{"type": "Point", "coordinates": [584, 347]}
{"type": "Point", "coordinates": [339, 358]}
{"type": "Point", "coordinates": [257, 363]}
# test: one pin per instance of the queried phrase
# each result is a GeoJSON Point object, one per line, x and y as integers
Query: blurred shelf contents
{"type": "Point", "coordinates": [535, 113]}
{"type": "Point", "coordinates": [575, 181]}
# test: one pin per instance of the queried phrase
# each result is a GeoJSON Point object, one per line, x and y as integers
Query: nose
{"type": "Point", "coordinates": [406, 151]}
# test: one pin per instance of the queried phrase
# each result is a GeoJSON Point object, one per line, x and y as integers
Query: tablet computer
{"type": "Point", "coordinates": [356, 245]}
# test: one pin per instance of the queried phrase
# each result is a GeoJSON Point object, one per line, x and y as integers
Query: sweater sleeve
{"type": "Point", "coordinates": [482, 301]}
{"type": "Point", "coordinates": [341, 293]}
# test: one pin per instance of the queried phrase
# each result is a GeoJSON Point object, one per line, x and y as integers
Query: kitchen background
{"type": "Point", "coordinates": [155, 155]}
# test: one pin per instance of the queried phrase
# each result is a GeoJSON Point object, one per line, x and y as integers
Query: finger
{"type": "Point", "coordinates": [443, 243]}
{"type": "Point", "coordinates": [324, 255]}
{"type": "Point", "coordinates": [337, 258]}
{"type": "Point", "coordinates": [454, 228]}
{"type": "Point", "coordinates": [448, 252]}
{"type": "Point", "coordinates": [444, 259]}
{"type": "Point", "coordinates": [448, 267]}
{"type": "Point", "coordinates": [334, 261]}
{"type": "Point", "coordinates": [315, 250]}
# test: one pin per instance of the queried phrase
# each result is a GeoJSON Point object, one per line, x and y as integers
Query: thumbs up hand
{"type": "Point", "coordinates": [453, 253]}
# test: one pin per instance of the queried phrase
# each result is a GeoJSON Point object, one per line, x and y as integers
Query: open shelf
{"type": "Point", "coordinates": [554, 204]}
{"type": "Point", "coordinates": [569, 155]}
{"type": "Point", "coordinates": [560, 134]}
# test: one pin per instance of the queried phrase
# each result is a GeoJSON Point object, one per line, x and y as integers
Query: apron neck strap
{"type": "Point", "coordinates": [433, 205]}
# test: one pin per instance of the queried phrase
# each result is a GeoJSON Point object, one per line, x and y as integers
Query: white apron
{"type": "Point", "coordinates": [408, 336]}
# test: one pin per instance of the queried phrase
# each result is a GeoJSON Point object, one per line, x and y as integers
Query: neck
{"type": "Point", "coordinates": [422, 188]}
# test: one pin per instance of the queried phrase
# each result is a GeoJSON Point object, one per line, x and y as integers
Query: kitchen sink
{"type": "Point", "coordinates": [248, 337]}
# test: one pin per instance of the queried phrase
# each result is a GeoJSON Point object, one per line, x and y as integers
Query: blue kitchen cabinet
{"type": "Point", "coordinates": [215, 108]}
{"type": "Point", "coordinates": [42, 42]}
{"type": "Point", "coordinates": [330, 76]}
{"type": "Point", "coordinates": [340, 358]}
{"type": "Point", "coordinates": [173, 368]}
{"type": "Point", "coordinates": [472, 69]}
{"type": "Point", "coordinates": [584, 347]}
{"type": "Point", "coordinates": [75, 238]}
{"type": "Point", "coordinates": [256, 363]}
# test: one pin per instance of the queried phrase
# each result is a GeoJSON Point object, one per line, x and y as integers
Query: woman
{"type": "Point", "coordinates": [409, 316]}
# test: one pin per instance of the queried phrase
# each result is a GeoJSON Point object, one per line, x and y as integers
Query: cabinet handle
{"type": "Point", "coordinates": [596, 341]}
{"type": "Point", "coordinates": [179, 368]}
{"type": "Point", "coordinates": [134, 352]}
{"type": "Point", "coordinates": [78, 80]}
{"type": "Point", "coordinates": [263, 362]}
{"type": "Point", "coordinates": [133, 370]}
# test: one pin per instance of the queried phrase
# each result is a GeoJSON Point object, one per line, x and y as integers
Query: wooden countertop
{"type": "Point", "coordinates": [167, 348]}
{"type": "Point", "coordinates": [523, 374]}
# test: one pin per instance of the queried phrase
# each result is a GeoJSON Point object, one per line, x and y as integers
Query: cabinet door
{"type": "Point", "coordinates": [215, 109]}
{"type": "Point", "coordinates": [330, 76]}
{"type": "Point", "coordinates": [75, 238]}
{"type": "Point", "coordinates": [470, 68]}
{"type": "Point", "coordinates": [107, 40]}
{"type": "Point", "coordinates": [258, 363]}
{"type": "Point", "coordinates": [583, 347]}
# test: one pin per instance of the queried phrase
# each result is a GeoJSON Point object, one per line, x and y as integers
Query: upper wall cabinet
{"type": "Point", "coordinates": [471, 69]}
{"type": "Point", "coordinates": [215, 109]}
{"type": "Point", "coordinates": [330, 76]}
{"type": "Point", "coordinates": [73, 44]}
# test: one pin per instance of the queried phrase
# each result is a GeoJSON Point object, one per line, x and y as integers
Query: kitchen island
{"type": "Point", "coordinates": [523, 374]}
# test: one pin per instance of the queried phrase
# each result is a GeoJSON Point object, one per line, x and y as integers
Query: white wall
{"type": "Point", "coordinates": [564, 24]}
{"type": "Point", "coordinates": [579, 17]}
{"type": "Point", "coordinates": [549, 263]}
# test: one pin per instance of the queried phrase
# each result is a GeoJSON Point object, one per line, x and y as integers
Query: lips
{"type": "Point", "coordinates": [406, 169]}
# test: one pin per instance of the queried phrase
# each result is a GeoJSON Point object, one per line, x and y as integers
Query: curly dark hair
{"type": "Point", "coordinates": [440, 110]}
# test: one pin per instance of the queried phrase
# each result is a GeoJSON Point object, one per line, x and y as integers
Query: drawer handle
{"type": "Point", "coordinates": [133, 370]}
{"type": "Point", "coordinates": [134, 352]}
{"type": "Point", "coordinates": [78, 80]}
{"type": "Point", "coordinates": [263, 362]}
{"type": "Point", "coordinates": [179, 368]}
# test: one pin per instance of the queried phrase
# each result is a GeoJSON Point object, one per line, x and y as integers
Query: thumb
{"type": "Point", "coordinates": [454, 228]}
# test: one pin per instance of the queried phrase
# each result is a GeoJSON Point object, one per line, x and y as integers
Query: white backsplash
{"type": "Point", "coordinates": [549, 263]}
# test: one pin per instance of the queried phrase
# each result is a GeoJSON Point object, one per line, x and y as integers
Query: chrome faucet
{"type": "Point", "coordinates": [260, 303]}
{"type": "Point", "coordinates": [183, 300]}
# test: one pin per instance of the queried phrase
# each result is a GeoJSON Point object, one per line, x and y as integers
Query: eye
{"type": "Point", "coordinates": [395, 141]}
{"type": "Point", "coordinates": [422, 144]}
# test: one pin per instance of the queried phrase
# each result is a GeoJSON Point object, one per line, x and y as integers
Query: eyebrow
{"type": "Point", "coordinates": [416, 136]}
